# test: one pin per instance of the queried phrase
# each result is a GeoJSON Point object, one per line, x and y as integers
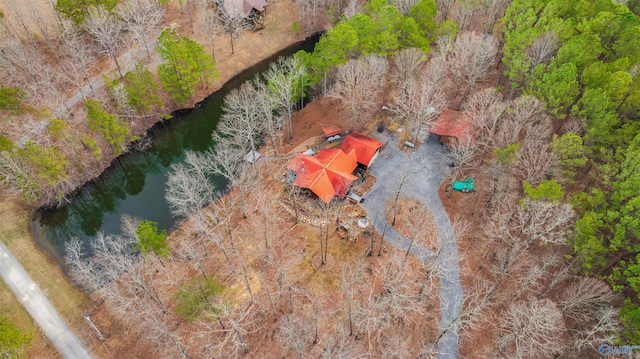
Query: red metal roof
{"type": "Point", "coordinates": [331, 131]}
{"type": "Point", "coordinates": [326, 174]}
{"type": "Point", "coordinates": [454, 124]}
{"type": "Point", "coordinates": [365, 147]}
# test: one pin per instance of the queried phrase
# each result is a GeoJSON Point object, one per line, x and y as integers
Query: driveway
{"type": "Point", "coordinates": [426, 168]}
{"type": "Point", "coordinates": [39, 307]}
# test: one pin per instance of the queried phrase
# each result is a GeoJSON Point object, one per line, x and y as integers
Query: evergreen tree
{"type": "Point", "coordinates": [49, 163]}
{"type": "Point", "coordinates": [11, 99]}
{"type": "Point", "coordinates": [187, 66]}
{"type": "Point", "coordinates": [77, 10]}
{"type": "Point", "coordinates": [142, 89]}
{"type": "Point", "coordinates": [150, 239]}
{"type": "Point", "coordinates": [114, 131]}
{"type": "Point", "coordinates": [13, 343]}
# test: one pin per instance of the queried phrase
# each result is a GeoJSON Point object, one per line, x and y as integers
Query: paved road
{"type": "Point", "coordinates": [39, 307]}
{"type": "Point", "coordinates": [426, 170]}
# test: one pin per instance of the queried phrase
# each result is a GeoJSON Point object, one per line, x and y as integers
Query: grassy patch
{"type": "Point", "coordinates": [13, 342]}
{"type": "Point", "coordinates": [195, 295]}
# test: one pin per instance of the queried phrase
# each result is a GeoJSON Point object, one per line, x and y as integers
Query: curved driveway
{"type": "Point", "coordinates": [39, 307]}
{"type": "Point", "coordinates": [426, 169]}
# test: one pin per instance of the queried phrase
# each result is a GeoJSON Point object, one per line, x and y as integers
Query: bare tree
{"type": "Point", "coordinates": [516, 227]}
{"type": "Point", "coordinates": [163, 334]}
{"type": "Point", "coordinates": [242, 120]}
{"type": "Point", "coordinates": [188, 186]}
{"type": "Point", "coordinates": [193, 249]}
{"type": "Point", "coordinates": [83, 272]}
{"type": "Point", "coordinates": [532, 329]}
{"type": "Point", "coordinates": [404, 177]}
{"type": "Point", "coordinates": [112, 256]}
{"type": "Point", "coordinates": [358, 83]}
{"type": "Point", "coordinates": [231, 22]}
{"type": "Point", "coordinates": [141, 18]}
{"type": "Point", "coordinates": [271, 218]}
{"type": "Point", "coordinates": [488, 109]}
{"type": "Point", "coordinates": [15, 177]}
{"type": "Point", "coordinates": [417, 103]}
{"type": "Point", "coordinates": [226, 161]}
{"type": "Point", "coordinates": [211, 27]}
{"type": "Point", "coordinates": [544, 221]}
{"type": "Point", "coordinates": [285, 82]}
{"type": "Point", "coordinates": [47, 29]}
{"type": "Point", "coordinates": [234, 324]}
{"type": "Point", "coordinates": [408, 62]}
{"type": "Point", "coordinates": [77, 60]}
{"type": "Point", "coordinates": [105, 30]}
{"type": "Point", "coordinates": [207, 224]}
{"type": "Point", "coordinates": [437, 70]}
{"type": "Point", "coordinates": [399, 296]}
{"type": "Point", "coordinates": [542, 49]}
{"type": "Point", "coordinates": [535, 271]}
{"type": "Point", "coordinates": [417, 219]}
{"type": "Point", "coordinates": [465, 11]}
{"type": "Point", "coordinates": [309, 11]}
{"type": "Point", "coordinates": [404, 5]}
{"type": "Point", "coordinates": [588, 337]}
{"type": "Point", "coordinates": [494, 10]}
{"type": "Point", "coordinates": [584, 298]}
{"type": "Point", "coordinates": [350, 277]}
{"type": "Point", "coordinates": [444, 6]}
{"type": "Point", "coordinates": [22, 63]}
{"type": "Point", "coordinates": [265, 106]}
{"type": "Point", "coordinates": [536, 162]}
{"type": "Point", "coordinates": [463, 155]}
{"type": "Point", "coordinates": [471, 305]}
{"type": "Point", "coordinates": [339, 345]}
{"type": "Point", "coordinates": [471, 59]}
{"type": "Point", "coordinates": [296, 333]}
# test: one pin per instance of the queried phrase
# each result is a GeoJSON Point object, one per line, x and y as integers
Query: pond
{"type": "Point", "coordinates": [135, 182]}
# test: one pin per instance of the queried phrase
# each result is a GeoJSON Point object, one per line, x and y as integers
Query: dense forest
{"type": "Point", "coordinates": [550, 251]}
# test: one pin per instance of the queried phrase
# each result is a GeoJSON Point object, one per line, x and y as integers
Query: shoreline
{"type": "Point", "coordinates": [38, 232]}
{"type": "Point", "coordinates": [155, 126]}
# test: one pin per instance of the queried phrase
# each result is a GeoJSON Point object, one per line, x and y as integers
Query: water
{"type": "Point", "coordinates": [135, 183]}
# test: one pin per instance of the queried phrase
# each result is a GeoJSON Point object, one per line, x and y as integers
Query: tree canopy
{"type": "Point", "coordinates": [581, 59]}
{"type": "Point", "coordinates": [150, 239]}
{"type": "Point", "coordinates": [12, 341]}
{"type": "Point", "coordinates": [380, 30]}
{"type": "Point", "coordinates": [114, 131]}
{"type": "Point", "coordinates": [187, 65]}
{"type": "Point", "coordinates": [77, 10]}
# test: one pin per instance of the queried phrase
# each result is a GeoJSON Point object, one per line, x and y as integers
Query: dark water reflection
{"type": "Point", "coordinates": [135, 183]}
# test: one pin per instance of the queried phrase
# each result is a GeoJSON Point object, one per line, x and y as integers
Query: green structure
{"type": "Point", "coordinates": [464, 186]}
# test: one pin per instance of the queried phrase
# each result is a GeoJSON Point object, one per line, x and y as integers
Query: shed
{"type": "Point", "coordinates": [252, 156]}
{"type": "Point", "coordinates": [454, 127]}
{"type": "Point", "coordinates": [326, 174]}
{"type": "Point", "coordinates": [330, 131]}
{"type": "Point", "coordinates": [365, 147]}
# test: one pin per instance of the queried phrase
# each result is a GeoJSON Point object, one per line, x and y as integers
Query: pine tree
{"type": "Point", "coordinates": [142, 89]}
{"type": "Point", "coordinates": [114, 131]}
{"type": "Point", "coordinates": [187, 66]}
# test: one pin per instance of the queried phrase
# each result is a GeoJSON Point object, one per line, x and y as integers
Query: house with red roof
{"type": "Point", "coordinates": [327, 174]}
{"type": "Point", "coordinates": [365, 147]}
{"type": "Point", "coordinates": [454, 127]}
{"type": "Point", "coordinates": [330, 172]}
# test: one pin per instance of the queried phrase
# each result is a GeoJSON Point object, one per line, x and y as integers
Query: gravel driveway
{"type": "Point", "coordinates": [39, 307]}
{"type": "Point", "coordinates": [426, 168]}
